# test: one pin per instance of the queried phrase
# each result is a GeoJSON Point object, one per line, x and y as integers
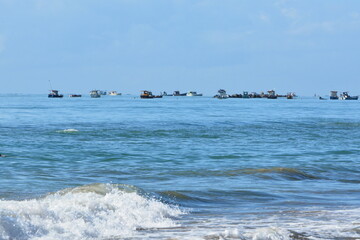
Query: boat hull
{"type": "Point", "coordinates": [55, 96]}
{"type": "Point", "coordinates": [351, 98]}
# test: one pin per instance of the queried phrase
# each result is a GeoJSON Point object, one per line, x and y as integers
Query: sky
{"type": "Point", "coordinates": [303, 46]}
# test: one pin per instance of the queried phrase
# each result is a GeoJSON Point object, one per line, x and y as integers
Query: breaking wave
{"type": "Point", "coordinates": [86, 212]}
{"type": "Point", "coordinates": [302, 225]}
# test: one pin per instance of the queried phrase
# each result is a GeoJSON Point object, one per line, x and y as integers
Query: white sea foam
{"type": "Point", "coordinates": [319, 225]}
{"type": "Point", "coordinates": [89, 212]}
{"type": "Point", "coordinates": [103, 211]}
{"type": "Point", "coordinates": [69, 130]}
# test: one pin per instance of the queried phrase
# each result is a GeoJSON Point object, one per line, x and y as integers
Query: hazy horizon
{"type": "Point", "coordinates": [307, 47]}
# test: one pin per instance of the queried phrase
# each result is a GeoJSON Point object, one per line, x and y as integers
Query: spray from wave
{"type": "Point", "coordinates": [87, 212]}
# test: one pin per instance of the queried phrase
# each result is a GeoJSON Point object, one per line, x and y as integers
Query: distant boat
{"type": "Point", "coordinates": [321, 98]}
{"type": "Point", "coordinates": [178, 94]}
{"type": "Point", "coordinates": [114, 93]}
{"type": "Point", "coordinates": [346, 96]}
{"type": "Point", "coordinates": [290, 95]}
{"type": "Point", "coordinates": [102, 92]}
{"type": "Point", "coordinates": [245, 94]}
{"type": "Point", "coordinates": [55, 94]}
{"type": "Point", "coordinates": [147, 94]}
{"type": "Point", "coordinates": [193, 94]}
{"type": "Point", "coordinates": [272, 95]}
{"type": "Point", "coordinates": [236, 95]}
{"type": "Point", "coordinates": [95, 94]}
{"type": "Point", "coordinates": [165, 94]}
{"type": "Point", "coordinates": [75, 95]}
{"type": "Point", "coordinates": [222, 94]}
{"type": "Point", "coordinates": [333, 95]}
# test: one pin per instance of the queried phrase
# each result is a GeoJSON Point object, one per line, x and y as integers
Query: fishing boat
{"type": "Point", "coordinates": [346, 96]}
{"type": "Point", "coordinates": [75, 95]}
{"type": "Point", "coordinates": [245, 94]}
{"type": "Point", "coordinates": [165, 94]}
{"type": "Point", "coordinates": [333, 95]}
{"type": "Point", "coordinates": [221, 94]}
{"type": "Point", "coordinates": [178, 94]}
{"type": "Point", "coordinates": [148, 94]}
{"type": "Point", "coordinates": [55, 94]}
{"type": "Point", "coordinates": [114, 93]}
{"type": "Point", "coordinates": [254, 95]}
{"type": "Point", "coordinates": [290, 95]}
{"type": "Point", "coordinates": [236, 95]}
{"type": "Point", "coordinates": [271, 94]}
{"type": "Point", "coordinates": [95, 94]}
{"type": "Point", "coordinates": [193, 94]}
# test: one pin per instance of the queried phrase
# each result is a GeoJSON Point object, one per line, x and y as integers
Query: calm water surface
{"type": "Point", "coordinates": [120, 167]}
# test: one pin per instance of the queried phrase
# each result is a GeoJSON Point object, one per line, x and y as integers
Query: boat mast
{"type": "Point", "coordinates": [50, 85]}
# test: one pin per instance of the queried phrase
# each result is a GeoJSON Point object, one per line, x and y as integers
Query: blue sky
{"type": "Point", "coordinates": [305, 46]}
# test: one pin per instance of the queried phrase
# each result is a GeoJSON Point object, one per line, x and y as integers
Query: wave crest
{"type": "Point", "coordinates": [92, 211]}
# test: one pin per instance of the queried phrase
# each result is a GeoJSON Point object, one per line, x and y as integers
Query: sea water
{"type": "Point", "coordinates": [121, 167]}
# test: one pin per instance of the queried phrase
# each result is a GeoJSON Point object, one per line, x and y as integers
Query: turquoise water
{"type": "Point", "coordinates": [178, 168]}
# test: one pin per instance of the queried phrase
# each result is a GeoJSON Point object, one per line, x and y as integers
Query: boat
{"type": "Point", "coordinates": [102, 92]}
{"type": "Point", "coordinates": [333, 95]}
{"type": "Point", "coordinates": [321, 98]}
{"type": "Point", "coordinates": [271, 94]}
{"type": "Point", "coordinates": [165, 94]}
{"type": "Point", "coordinates": [222, 94]}
{"type": "Point", "coordinates": [55, 94]}
{"type": "Point", "coordinates": [75, 95]}
{"type": "Point", "coordinates": [236, 95]}
{"type": "Point", "coordinates": [290, 95]}
{"type": "Point", "coordinates": [346, 96]}
{"type": "Point", "coordinates": [254, 95]}
{"type": "Point", "coordinates": [245, 94]}
{"type": "Point", "coordinates": [148, 94]}
{"type": "Point", "coordinates": [95, 94]}
{"type": "Point", "coordinates": [193, 94]}
{"type": "Point", "coordinates": [114, 93]}
{"type": "Point", "coordinates": [178, 94]}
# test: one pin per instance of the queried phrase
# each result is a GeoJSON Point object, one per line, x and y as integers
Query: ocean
{"type": "Point", "coordinates": [121, 167]}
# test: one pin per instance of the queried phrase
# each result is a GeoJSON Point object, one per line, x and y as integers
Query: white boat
{"type": "Point", "coordinates": [346, 96]}
{"type": "Point", "coordinates": [222, 94]}
{"type": "Point", "coordinates": [193, 94]}
{"type": "Point", "coordinates": [114, 93]}
{"type": "Point", "coordinates": [95, 94]}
